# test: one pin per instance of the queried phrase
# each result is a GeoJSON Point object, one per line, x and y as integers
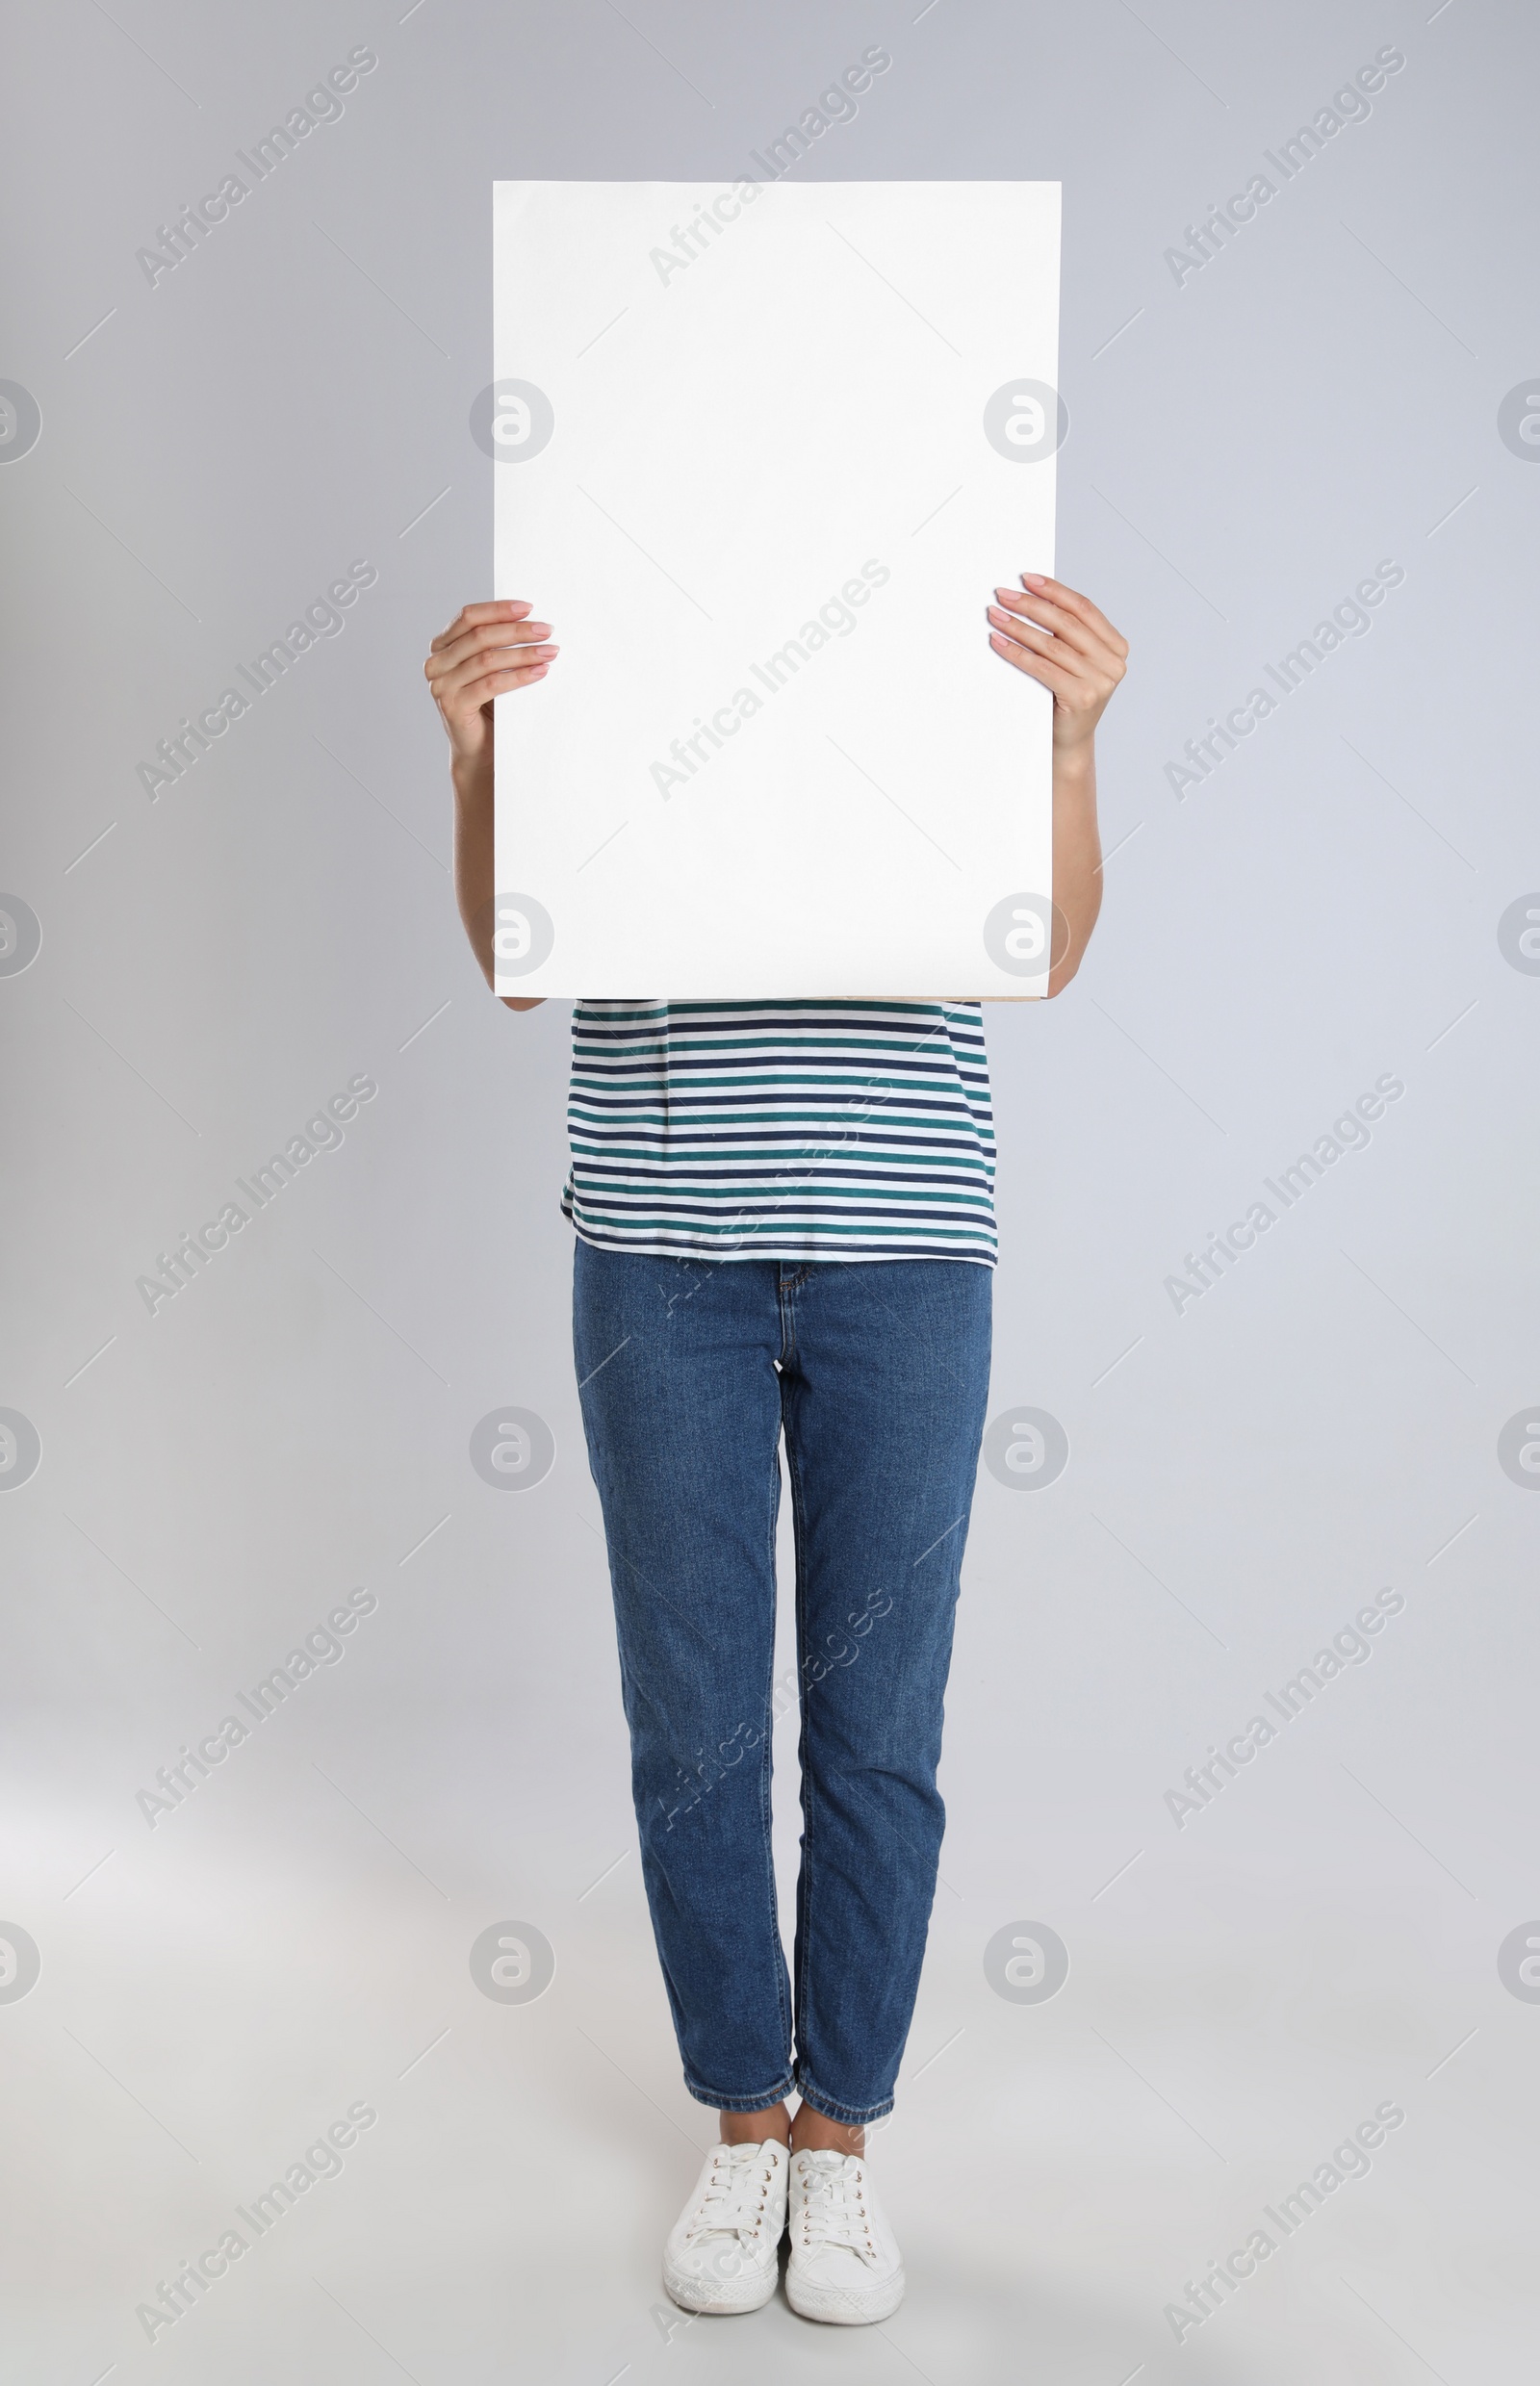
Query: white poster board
{"type": "Point", "coordinates": [763, 453]}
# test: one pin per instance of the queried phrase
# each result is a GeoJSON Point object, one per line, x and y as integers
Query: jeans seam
{"type": "Point", "coordinates": [766, 1840]}
{"type": "Point", "coordinates": [804, 1882]}
{"type": "Point", "coordinates": [785, 1287]}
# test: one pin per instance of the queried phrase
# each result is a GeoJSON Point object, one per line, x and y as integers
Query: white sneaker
{"type": "Point", "coordinates": [845, 2264]}
{"type": "Point", "coordinates": [723, 2252]}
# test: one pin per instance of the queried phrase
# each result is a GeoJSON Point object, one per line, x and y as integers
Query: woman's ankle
{"type": "Point", "coordinates": [813, 2132]}
{"type": "Point", "coordinates": [752, 2128]}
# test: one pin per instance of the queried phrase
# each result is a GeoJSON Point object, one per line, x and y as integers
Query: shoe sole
{"type": "Point", "coordinates": [841, 2310]}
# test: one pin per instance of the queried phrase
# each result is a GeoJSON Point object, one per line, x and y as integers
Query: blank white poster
{"type": "Point", "coordinates": [763, 453]}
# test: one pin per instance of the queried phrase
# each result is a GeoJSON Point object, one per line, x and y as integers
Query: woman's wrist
{"type": "Point", "coordinates": [1074, 774]}
{"type": "Point", "coordinates": [471, 777]}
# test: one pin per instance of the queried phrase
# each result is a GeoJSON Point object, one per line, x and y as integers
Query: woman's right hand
{"type": "Point", "coordinates": [487, 651]}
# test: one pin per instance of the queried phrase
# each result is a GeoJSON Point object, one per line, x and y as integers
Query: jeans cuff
{"type": "Point", "coordinates": [740, 2104]}
{"type": "Point", "coordinates": [854, 2115]}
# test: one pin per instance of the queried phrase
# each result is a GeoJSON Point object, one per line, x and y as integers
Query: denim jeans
{"type": "Point", "coordinates": [877, 1375]}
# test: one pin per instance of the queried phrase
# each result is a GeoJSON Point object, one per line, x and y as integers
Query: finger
{"type": "Point", "coordinates": [491, 637]}
{"type": "Point", "coordinates": [1052, 674]}
{"type": "Point", "coordinates": [1070, 659]}
{"type": "Point", "coordinates": [498, 638]}
{"type": "Point", "coordinates": [500, 608]}
{"type": "Point", "coordinates": [1065, 625]}
{"type": "Point", "coordinates": [452, 687]}
{"type": "Point", "coordinates": [451, 648]}
{"type": "Point", "coordinates": [1079, 648]}
{"type": "Point", "coordinates": [1041, 608]}
{"type": "Point", "coordinates": [503, 608]}
{"type": "Point", "coordinates": [455, 683]}
{"type": "Point", "coordinates": [501, 682]}
{"type": "Point", "coordinates": [1098, 642]}
{"type": "Point", "coordinates": [1039, 583]}
{"type": "Point", "coordinates": [475, 697]}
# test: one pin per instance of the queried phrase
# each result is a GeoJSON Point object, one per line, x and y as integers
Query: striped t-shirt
{"type": "Point", "coordinates": [782, 1129]}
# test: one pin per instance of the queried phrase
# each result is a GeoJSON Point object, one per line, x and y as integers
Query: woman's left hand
{"type": "Point", "coordinates": [1059, 637]}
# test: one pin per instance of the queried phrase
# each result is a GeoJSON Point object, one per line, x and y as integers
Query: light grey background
{"type": "Point", "coordinates": [297, 1936]}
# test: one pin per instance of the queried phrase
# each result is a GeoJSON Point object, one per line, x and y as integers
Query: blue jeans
{"type": "Point", "coordinates": [877, 1375]}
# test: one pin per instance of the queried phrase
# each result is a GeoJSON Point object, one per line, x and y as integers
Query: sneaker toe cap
{"type": "Point", "coordinates": [835, 2267]}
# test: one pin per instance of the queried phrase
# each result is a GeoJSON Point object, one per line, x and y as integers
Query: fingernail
{"type": "Point", "coordinates": [1035, 579]}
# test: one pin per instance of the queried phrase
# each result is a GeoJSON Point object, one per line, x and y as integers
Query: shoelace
{"type": "Point", "coordinates": [833, 2210]}
{"type": "Point", "coordinates": [737, 2194]}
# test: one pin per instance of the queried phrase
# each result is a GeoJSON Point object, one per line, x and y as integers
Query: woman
{"type": "Point", "coordinates": [784, 1224]}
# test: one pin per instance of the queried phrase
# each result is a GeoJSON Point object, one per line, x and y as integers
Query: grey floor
{"type": "Point", "coordinates": [296, 1939]}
